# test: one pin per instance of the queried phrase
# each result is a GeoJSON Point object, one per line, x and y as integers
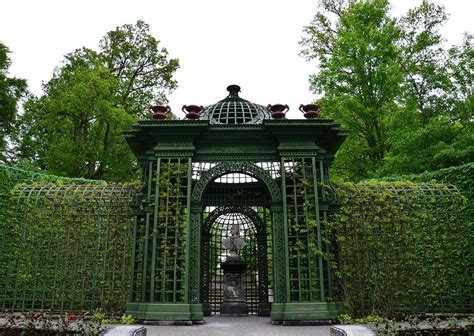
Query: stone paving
{"type": "Point", "coordinates": [241, 326]}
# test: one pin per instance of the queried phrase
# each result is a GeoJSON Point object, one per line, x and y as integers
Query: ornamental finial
{"type": "Point", "coordinates": [233, 90]}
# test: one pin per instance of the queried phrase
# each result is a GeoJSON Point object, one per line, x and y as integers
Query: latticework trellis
{"type": "Point", "coordinates": [67, 247]}
{"type": "Point", "coordinates": [306, 258]}
{"type": "Point", "coordinates": [406, 248]}
{"type": "Point", "coordinates": [241, 198]}
{"type": "Point", "coordinates": [159, 266]}
{"type": "Point", "coordinates": [11, 176]}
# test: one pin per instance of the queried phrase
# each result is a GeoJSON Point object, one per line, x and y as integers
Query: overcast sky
{"type": "Point", "coordinates": [252, 43]}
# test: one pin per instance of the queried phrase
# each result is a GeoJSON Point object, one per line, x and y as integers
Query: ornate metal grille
{"type": "Point", "coordinates": [230, 198]}
{"type": "Point", "coordinates": [219, 230]}
{"type": "Point", "coordinates": [309, 279]}
{"type": "Point", "coordinates": [160, 262]}
{"type": "Point", "coordinates": [235, 110]}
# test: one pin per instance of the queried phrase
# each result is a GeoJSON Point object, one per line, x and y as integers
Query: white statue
{"type": "Point", "coordinates": [234, 243]}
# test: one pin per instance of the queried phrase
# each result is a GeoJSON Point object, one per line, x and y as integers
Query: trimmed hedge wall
{"type": "Point", "coordinates": [67, 247]}
{"type": "Point", "coordinates": [460, 176]}
{"type": "Point", "coordinates": [406, 248]}
{"type": "Point", "coordinates": [13, 251]}
{"type": "Point", "coordinates": [11, 176]}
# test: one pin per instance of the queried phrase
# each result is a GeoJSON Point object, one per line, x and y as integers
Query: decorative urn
{"type": "Point", "coordinates": [192, 111]}
{"type": "Point", "coordinates": [310, 111]}
{"type": "Point", "coordinates": [159, 111]}
{"type": "Point", "coordinates": [278, 110]}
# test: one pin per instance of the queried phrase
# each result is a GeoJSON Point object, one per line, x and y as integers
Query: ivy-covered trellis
{"type": "Point", "coordinates": [66, 247]}
{"type": "Point", "coordinates": [406, 248]}
{"type": "Point", "coordinates": [385, 231]}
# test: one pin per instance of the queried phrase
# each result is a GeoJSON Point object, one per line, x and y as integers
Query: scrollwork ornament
{"type": "Point", "coordinates": [235, 167]}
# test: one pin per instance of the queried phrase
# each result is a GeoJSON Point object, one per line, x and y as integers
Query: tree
{"type": "Point", "coordinates": [406, 100]}
{"type": "Point", "coordinates": [11, 90]}
{"type": "Point", "coordinates": [422, 61]}
{"type": "Point", "coordinates": [434, 127]}
{"type": "Point", "coordinates": [75, 128]}
{"type": "Point", "coordinates": [143, 70]}
{"type": "Point", "coordinates": [76, 124]}
{"type": "Point", "coordinates": [359, 75]}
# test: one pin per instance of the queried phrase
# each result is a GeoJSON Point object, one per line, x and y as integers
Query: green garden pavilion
{"type": "Point", "coordinates": [234, 163]}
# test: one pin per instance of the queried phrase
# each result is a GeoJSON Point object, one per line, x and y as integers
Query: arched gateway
{"type": "Point", "coordinates": [233, 172]}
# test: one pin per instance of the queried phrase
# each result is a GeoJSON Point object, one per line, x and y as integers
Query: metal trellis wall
{"type": "Point", "coordinates": [406, 248]}
{"type": "Point", "coordinates": [67, 247]}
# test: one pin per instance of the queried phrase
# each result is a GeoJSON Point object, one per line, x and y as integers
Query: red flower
{"type": "Point", "coordinates": [70, 315]}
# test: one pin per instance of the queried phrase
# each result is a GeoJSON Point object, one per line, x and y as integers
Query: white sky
{"type": "Point", "coordinates": [252, 43]}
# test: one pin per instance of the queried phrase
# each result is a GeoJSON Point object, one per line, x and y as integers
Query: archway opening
{"type": "Point", "coordinates": [219, 230]}
{"type": "Point", "coordinates": [237, 198]}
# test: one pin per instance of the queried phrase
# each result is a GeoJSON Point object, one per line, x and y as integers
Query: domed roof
{"type": "Point", "coordinates": [235, 110]}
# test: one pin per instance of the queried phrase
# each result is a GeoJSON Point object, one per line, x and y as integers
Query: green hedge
{"type": "Point", "coordinates": [460, 176]}
{"type": "Point", "coordinates": [12, 254]}
{"type": "Point", "coordinates": [406, 248]}
{"type": "Point", "coordinates": [67, 247]}
{"type": "Point", "coordinates": [11, 176]}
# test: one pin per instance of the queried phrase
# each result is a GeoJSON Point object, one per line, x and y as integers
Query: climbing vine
{"type": "Point", "coordinates": [66, 247]}
{"type": "Point", "coordinates": [11, 176]}
{"type": "Point", "coordinates": [405, 247]}
{"type": "Point", "coordinates": [460, 176]}
{"type": "Point", "coordinates": [171, 230]}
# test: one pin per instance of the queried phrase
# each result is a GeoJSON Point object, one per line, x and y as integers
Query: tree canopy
{"type": "Point", "coordinates": [75, 128]}
{"type": "Point", "coordinates": [11, 90]}
{"type": "Point", "coordinates": [406, 99]}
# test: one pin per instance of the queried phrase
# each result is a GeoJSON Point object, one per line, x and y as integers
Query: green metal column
{"type": "Point", "coordinates": [318, 230]}
{"type": "Point", "coordinates": [193, 266]}
{"type": "Point", "coordinates": [280, 266]}
{"type": "Point", "coordinates": [262, 246]}
{"type": "Point", "coordinates": [154, 232]}
{"type": "Point", "coordinates": [280, 252]}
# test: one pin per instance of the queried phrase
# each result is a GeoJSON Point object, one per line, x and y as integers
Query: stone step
{"type": "Point", "coordinates": [351, 330]}
{"type": "Point", "coordinates": [125, 330]}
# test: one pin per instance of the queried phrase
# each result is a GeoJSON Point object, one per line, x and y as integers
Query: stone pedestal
{"type": "Point", "coordinates": [234, 298]}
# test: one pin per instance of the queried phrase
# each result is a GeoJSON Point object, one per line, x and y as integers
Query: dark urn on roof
{"type": "Point", "coordinates": [310, 111]}
{"type": "Point", "coordinates": [278, 110]}
{"type": "Point", "coordinates": [159, 111]}
{"type": "Point", "coordinates": [192, 111]}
